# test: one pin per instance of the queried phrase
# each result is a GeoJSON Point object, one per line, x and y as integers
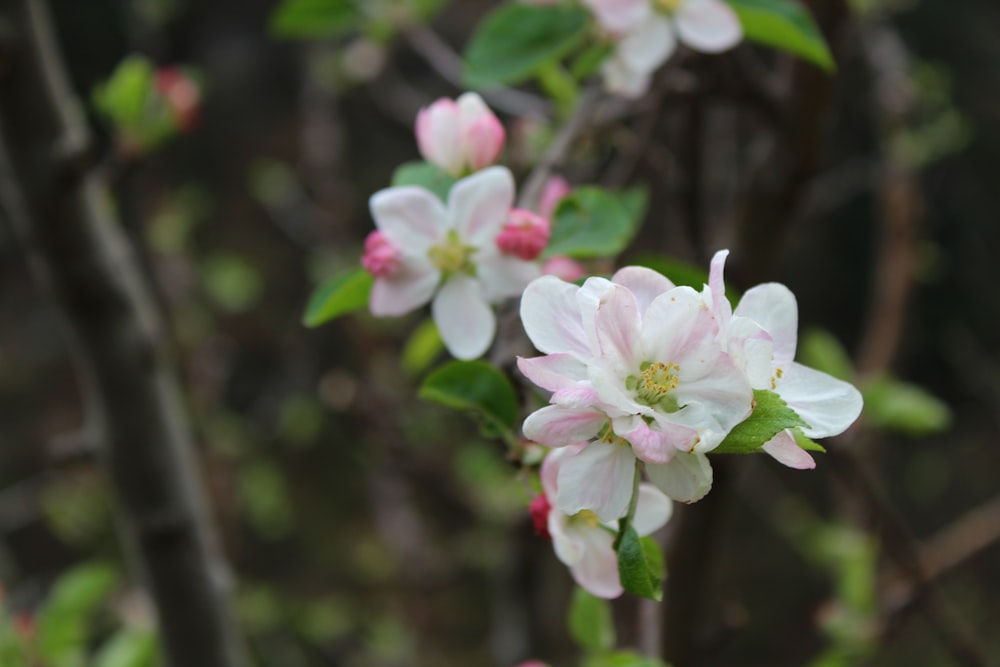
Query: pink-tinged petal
{"type": "Point", "coordinates": [786, 451]}
{"type": "Point", "coordinates": [599, 479]}
{"type": "Point", "coordinates": [407, 289]}
{"type": "Point", "coordinates": [686, 479]}
{"type": "Point", "coordinates": [597, 569]}
{"type": "Point", "coordinates": [751, 349]}
{"type": "Point", "coordinates": [479, 205]}
{"type": "Point", "coordinates": [563, 268]}
{"type": "Point", "coordinates": [412, 218]}
{"type": "Point", "coordinates": [648, 45]}
{"type": "Point", "coordinates": [615, 399]}
{"type": "Point", "coordinates": [551, 317]}
{"type": "Point", "coordinates": [619, 16]}
{"type": "Point", "coordinates": [679, 328]}
{"type": "Point", "coordinates": [773, 307]}
{"type": "Point", "coordinates": [709, 26]}
{"type": "Point", "coordinates": [717, 288]}
{"type": "Point", "coordinates": [560, 426]}
{"type": "Point", "coordinates": [553, 371]}
{"type": "Point", "coordinates": [649, 444]}
{"type": "Point", "coordinates": [438, 135]}
{"type": "Point", "coordinates": [556, 188]}
{"type": "Point", "coordinates": [463, 318]}
{"type": "Point", "coordinates": [550, 466]}
{"type": "Point", "coordinates": [618, 327]}
{"type": "Point", "coordinates": [827, 404]}
{"type": "Point", "coordinates": [503, 276]}
{"type": "Point", "coordinates": [652, 510]}
{"type": "Point", "coordinates": [482, 133]}
{"type": "Point", "coordinates": [624, 81]}
{"type": "Point", "coordinates": [579, 397]}
{"type": "Point", "coordinates": [646, 284]}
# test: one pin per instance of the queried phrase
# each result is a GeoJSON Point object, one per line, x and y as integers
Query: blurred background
{"type": "Point", "coordinates": [367, 528]}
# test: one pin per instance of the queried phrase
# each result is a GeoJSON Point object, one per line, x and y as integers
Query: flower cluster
{"type": "Point", "coordinates": [643, 370]}
{"type": "Point", "coordinates": [462, 255]}
{"type": "Point", "coordinates": [646, 33]}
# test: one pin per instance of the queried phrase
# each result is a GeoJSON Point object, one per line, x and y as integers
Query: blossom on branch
{"type": "Point", "coordinates": [459, 136]}
{"type": "Point", "coordinates": [581, 540]}
{"type": "Point", "coordinates": [646, 34]}
{"type": "Point", "coordinates": [426, 251]}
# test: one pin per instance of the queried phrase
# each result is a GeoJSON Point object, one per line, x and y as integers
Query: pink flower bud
{"type": "Point", "coordinates": [459, 135]}
{"type": "Point", "coordinates": [564, 268]}
{"type": "Point", "coordinates": [525, 234]}
{"type": "Point", "coordinates": [381, 257]}
{"type": "Point", "coordinates": [555, 189]}
{"type": "Point", "coordinates": [540, 508]}
{"type": "Point", "coordinates": [182, 94]}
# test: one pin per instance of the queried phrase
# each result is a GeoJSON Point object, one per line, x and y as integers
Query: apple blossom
{"type": "Point", "coordinates": [182, 94]}
{"type": "Point", "coordinates": [584, 543]}
{"type": "Point", "coordinates": [564, 268]}
{"type": "Point", "coordinates": [635, 367]}
{"type": "Point", "coordinates": [647, 32]}
{"type": "Point", "coordinates": [760, 335]}
{"type": "Point", "coordinates": [459, 135]}
{"type": "Point", "coordinates": [556, 188]}
{"type": "Point", "coordinates": [446, 254]}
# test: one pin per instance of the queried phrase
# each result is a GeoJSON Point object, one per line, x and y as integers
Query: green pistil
{"type": "Point", "coordinates": [654, 384]}
{"type": "Point", "coordinates": [667, 6]}
{"type": "Point", "coordinates": [451, 256]}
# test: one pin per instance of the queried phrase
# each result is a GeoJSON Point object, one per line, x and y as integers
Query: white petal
{"type": "Point", "coordinates": [479, 205]}
{"type": "Point", "coordinates": [827, 404]}
{"type": "Point", "coordinates": [599, 479]}
{"type": "Point", "coordinates": [773, 307]}
{"type": "Point", "coordinates": [438, 135]}
{"type": "Point", "coordinates": [657, 445]}
{"type": "Point", "coordinates": [597, 569]}
{"type": "Point", "coordinates": [559, 426]}
{"type": "Point", "coordinates": [588, 298]}
{"type": "Point", "coordinates": [618, 325]}
{"type": "Point", "coordinates": [786, 451]}
{"type": "Point", "coordinates": [411, 217]}
{"type": "Point", "coordinates": [710, 26]}
{"type": "Point", "coordinates": [567, 541]}
{"type": "Point", "coordinates": [551, 317]}
{"type": "Point", "coordinates": [647, 46]}
{"type": "Point", "coordinates": [678, 328]}
{"type": "Point", "coordinates": [409, 288]}
{"type": "Point", "coordinates": [717, 288]}
{"type": "Point", "coordinates": [503, 276]}
{"type": "Point", "coordinates": [464, 319]}
{"type": "Point", "coordinates": [553, 371]}
{"type": "Point", "coordinates": [646, 284]}
{"type": "Point", "coordinates": [652, 511]}
{"type": "Point", "coordinates": [751, 349]}
{"type": "Point", "coordinates": [618, 16]}
{"type": "Point", "coordinates": [724, 393]}
{"type": "Point", "coordinates": [622, 80]}
{"type": "Point", "coordinates": [687, 478]}
{"type": "Point", "coordinates": [550, 468]}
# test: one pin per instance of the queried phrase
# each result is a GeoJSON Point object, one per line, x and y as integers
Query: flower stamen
{"type": "Point", "coordinates": [451, 256]}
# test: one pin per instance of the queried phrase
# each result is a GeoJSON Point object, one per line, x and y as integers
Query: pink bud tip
{"type": "Point", "coordinates": [555, 189]}
{"type": "Point", "coordinates": [525, 234]}
{"type": "Point", "coordinates": [182, 94]}
{"type": "Point", "coordinates": [563, 268]}
{"type": "Point", "coordinates": [381, 258]}
{"type": "Point", "coordinates": [540, 508]}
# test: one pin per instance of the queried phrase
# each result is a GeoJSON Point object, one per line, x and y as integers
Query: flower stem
{"type": "Point", "coordinates": [626, 520]}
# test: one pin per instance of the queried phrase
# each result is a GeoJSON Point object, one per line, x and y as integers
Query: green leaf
{"type": "Point", "coordinates": [590, 622]}
{"type": "Point", "coordinates": [426, 175]}
{"type": "Point", "coordinates": [513, 40]}
{"type": "Point", "coordinates": [315, 18]}
{"type": "Point", "coordinates": [342, 294]}
{"type": "Point", "coordinates": [807, 444]}
{"type": "Point", "coordinates": [123, 96]}
{"type": "Point", "coordinates": [637, 574]}
{"type": "Point", "coordinates": [622, 659]}
{"type": "Point", "coordinates": [590, 222]}
{"type": "Point", "coordinates": [422, 348]}
{"type": "Point", "coordinates": [130, 647]}
{"type": "Point", "coordinates": [785, 25]}
{"type": "Point", "coordinates": [821, 350]}
{"type": "Point", "coordinates": [475, 386]}
{"type": "Point", "coordinates": [904, 407]}
{"type": "Point", "coordinates": [770, 416]}
{"type": "Point", "coordinates": [654, 556]}
{"type": "Point", "coordinates": [62, 622]}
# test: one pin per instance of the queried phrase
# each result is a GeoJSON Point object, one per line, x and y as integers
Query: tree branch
{"type": "Point", "coordinates": [81, 258]}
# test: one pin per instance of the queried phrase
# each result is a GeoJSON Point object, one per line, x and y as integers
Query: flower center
{"type": "Point", "coordinates": [654, 383]}
{"type": "Point", "coordinates": [451, 256]}
{"type": "Point", "coordinates": [586, 517]}
{"type": "Point", "coordinates": [668, 6]}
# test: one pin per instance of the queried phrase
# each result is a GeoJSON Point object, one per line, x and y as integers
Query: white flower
{"type": "Point", "coordinates": [448, 254]}
{"type": "Point", "coordinates": [581, 541]}
{"type": "Point", "coordinates": [760, 336]}
{"type": "Point", "coordinates": [647, 33]}
{"type": "Point", "coordinates": [635, 365]}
